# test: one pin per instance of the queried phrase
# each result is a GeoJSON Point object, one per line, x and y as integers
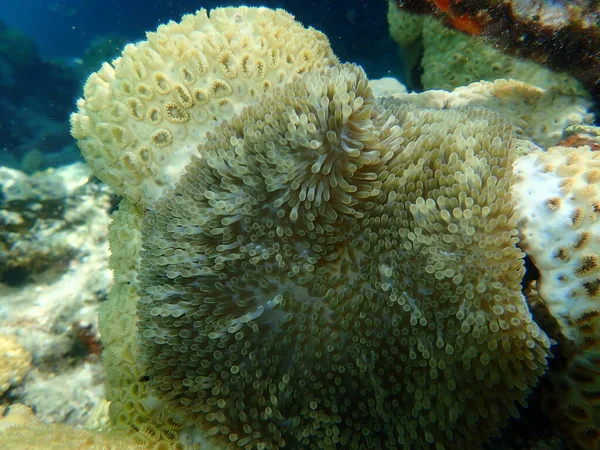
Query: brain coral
{"type": "Point", "coordinates": [143, 116]}
{"type": "Point", "coordinates": [339, 272]}
{"type": "Point", "coordinates": [558, 194]}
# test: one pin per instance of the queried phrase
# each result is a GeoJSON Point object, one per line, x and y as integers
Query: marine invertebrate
{"type": "Point", "coordinates": [561, 35]}
{"type": "Point", "coordinates": [562, 187]}
{"type": "Point", "coordinates": [327, 259]}
{"type": "Point", "coordinates": [131, 404]}
{"type": "Point", "coordinates": [338, 272]}
{"type": "Point", "coordinates": [143, 116]}
{"type": "Point", "coordinates": [558, 198]}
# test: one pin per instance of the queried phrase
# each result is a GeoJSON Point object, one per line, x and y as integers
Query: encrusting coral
{"type": "Point", "coordinates": [561, 35]}
{"type": "Point", "coordinates": [15, 362]}
{"type": "Point", "coordinates": [540, 115]}
{"type": "Point", "coordinates": [558, 195]}
{"type": "Point", "coordinates": [143, 116]}
{"type": "Point", "coordinates": [451, 58]}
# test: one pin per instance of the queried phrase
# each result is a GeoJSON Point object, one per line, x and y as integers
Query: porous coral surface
{"type": "Point", "coordinates": [558, 195]}
{"type": "Point", "coordinates": [142, 117]}
{"type": "Point", "coordinates": [339, 272]}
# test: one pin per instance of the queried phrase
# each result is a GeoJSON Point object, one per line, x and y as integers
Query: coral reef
{"type": "Point", "coordinates": [387, 87]}
{"type": "Point", "coordinates": [580, 135]}
{"type": "Point", "coordinates": [36, 99]}
{"type": "Point", "coordinates": [315, 244]}
{"type": "Point", "coordinates": [451, 59]}
{"type": "Point", "coordinates": [326, 259]}
{"type": "Point", "coordinates": [564, 36]}
{"type": "Point", "coordinates": [20, 429]}
{"type": "Point", "coordinates": [555, 194]}
{"type": "Point", "coordinates": [44, 219]}
{"type": "Point", "coordinates": [63, 394]}
{"type": "Point", "coordinates": [564, 252]}
{"type": "Point", "coordinates": [265, 48]}
{"type": "Point", "coordinates": [54, 271]}
{"type": "Point", "coordinates": [558, 198]}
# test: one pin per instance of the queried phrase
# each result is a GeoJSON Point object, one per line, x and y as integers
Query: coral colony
{"type": "Point", "coordinates": [563, 35]}
{"type": "Point", "coordinates": [307, 259]}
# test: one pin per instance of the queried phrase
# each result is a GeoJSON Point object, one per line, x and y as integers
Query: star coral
{"type": "Point", "coordinates": [558, 193]}
{"type": "Point", "coordinates": [337, 271]}
{"type": "Point", "coordinates": [143, 115]}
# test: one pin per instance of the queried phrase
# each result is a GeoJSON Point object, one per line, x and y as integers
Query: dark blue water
{"type": "Point", "coordinates": [64, 28]}
{"type": "Point", "coordinates": [43, 67]}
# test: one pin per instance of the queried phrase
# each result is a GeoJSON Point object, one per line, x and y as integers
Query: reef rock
{"type": "Point", "coordinates": [53, 272]}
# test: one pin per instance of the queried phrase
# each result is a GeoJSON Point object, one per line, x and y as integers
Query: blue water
{"type": "Point", "coordinates": [357, 28]}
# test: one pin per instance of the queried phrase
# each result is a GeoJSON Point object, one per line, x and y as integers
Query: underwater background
{"type": "Point", "coordinates": [460, 154]}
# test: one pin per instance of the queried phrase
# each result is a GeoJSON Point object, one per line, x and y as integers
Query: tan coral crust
{"type": "Point", "coordinates": [21, 430]}
{"type": "Point", "coordinates": [333, 261]}
{"type": "Point", "coordinates": [143, 116]}
{"type": "Point", "coordinates": [540, 115]}
{"type": "Point", "coordinates": [452, 58]}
